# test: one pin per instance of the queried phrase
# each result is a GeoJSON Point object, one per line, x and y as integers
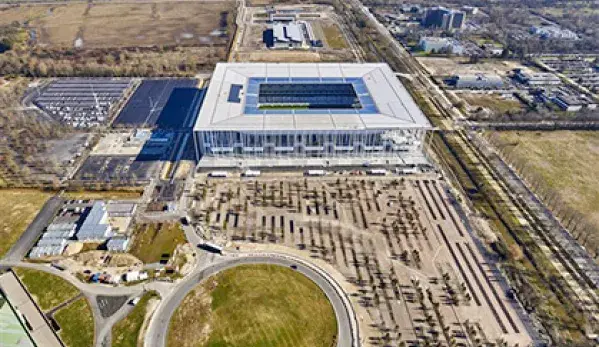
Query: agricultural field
{"type": "Point", "coordinates": [125, 24]}
{"type": "Point", "coordinates": [48, 290]}
{"type": "Point", "coordinates": [156, 242]}
{"type": "Point", "coordinates": [76, 324]}
{"type": "Point", "coordinates": [126, 332]}
{"type": "Point", "coordinates": [19, 207]}
{"type": "Point", "coordinates": [297, 312]}
{"type": "Point", "coordinates": [565, 161]}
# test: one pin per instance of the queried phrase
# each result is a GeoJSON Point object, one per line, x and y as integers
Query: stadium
{"type": "Point", "coordinates": [307, 113]}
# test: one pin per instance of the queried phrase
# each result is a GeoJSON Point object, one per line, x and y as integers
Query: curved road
{"type": "Point", "coordinates": [346, 324]}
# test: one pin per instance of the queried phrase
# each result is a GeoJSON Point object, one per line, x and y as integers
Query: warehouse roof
{"type": "Point", "coordinates": [382, 101]}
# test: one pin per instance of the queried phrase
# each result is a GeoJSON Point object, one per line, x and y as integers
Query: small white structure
{"type": "Point", "coordinates": [219, 174]}
{"type": "Point", "coordinates": [118, 244]}
{"type": "Point", "coordinates": [251, 173]}
{"type": "Point", "coordinates": [315, 173]}
{"type": "Point", "coordinates": [133, 276]}
{"type": "Point", "coordinates": [377, 172]}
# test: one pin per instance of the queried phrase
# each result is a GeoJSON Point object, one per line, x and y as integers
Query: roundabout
{"type": "Point", "coordinates": [223, 323]}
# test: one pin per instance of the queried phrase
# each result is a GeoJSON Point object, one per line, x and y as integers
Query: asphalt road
{"type": "Point", "coordinates": [34, 230]}
{"type": "Point", "coordinates": [158, 330]}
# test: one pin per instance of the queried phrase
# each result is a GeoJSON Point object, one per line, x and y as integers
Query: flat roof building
{"type": "Point", "coordinates": [536, 78]}
{"type": "Point", "coordinates": [307, 110]}
{"type": "Point", "coordinates": [478, 81]}
{"type": "Point", "coordinates": [95, 227]}
{"type": "Point", "coordinates": [118, 244]}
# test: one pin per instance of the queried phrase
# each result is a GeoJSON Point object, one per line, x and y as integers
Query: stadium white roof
{"type": "Point", "coordinates": [394, 107]}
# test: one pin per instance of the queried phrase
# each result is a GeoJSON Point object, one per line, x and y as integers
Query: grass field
{"type": "Point", "coordinates": [333, 36]}
{"type": "Point", "coordinates": [76, 324]}
{"type": "Point", "coordinates": [567, 161]}
{"type": "Point", "coordinates": [125, 24]}
{"type": "Point", "coordinates": [47, 290]}
{"type": "Point", "coordinates": [19, 207]}
{"type": "Point", "coordinates": [153, 242]}
{"type": "Point", "coordinates": [495, 103]}
{"type": "Point", "coordinates": [255, 305]}
{"type": "Point", "coordinates": [125, 333]}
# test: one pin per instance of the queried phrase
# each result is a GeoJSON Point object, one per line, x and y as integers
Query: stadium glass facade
{"type": "Point", "coordinates": [309, 143]}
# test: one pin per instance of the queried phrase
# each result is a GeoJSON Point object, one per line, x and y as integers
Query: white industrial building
{"type": "Point", "coordinates": [257, 111]}
{"type": "Point", "coordinates": [477, 81]}
{"type": "Point", "coordinates": [95, 227]}
{"type": "Point", "coordinates": [537, 78]}
{"type": "Point", "coordinates": [293, 35]}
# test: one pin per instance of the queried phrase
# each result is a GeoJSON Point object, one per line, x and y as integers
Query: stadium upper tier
{"type": "Point", "coordinates": [289, 97]}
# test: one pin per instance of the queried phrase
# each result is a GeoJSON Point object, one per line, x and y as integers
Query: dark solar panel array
{"type": "Point", "coordinates": [321, 95]}
{"type": "Point", "coordinates": [234, 93]}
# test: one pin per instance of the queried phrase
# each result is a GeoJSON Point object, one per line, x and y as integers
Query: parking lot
{"type": "Point", "coordinates": [419, 273]}
{"type": "Point", "coordinates": [81, 102]}
{"type": "Point", "coordinates": [121, 169]}
{"type": "Point", "coordinates": [146, 105]}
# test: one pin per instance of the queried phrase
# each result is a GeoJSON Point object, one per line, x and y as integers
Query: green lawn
{"type": "Point", "coordinates": [153, 242]}
{"type": "Point", "coordinates": [125, 333]}
{"type": "Point", "coordinates": [47, 290]}
{"type": "Point", "coordinates": [76, 324]}
{"type": "Point", "coordinates": [19, 207]}
{"type": "Point", "coordinates": [255, 305]}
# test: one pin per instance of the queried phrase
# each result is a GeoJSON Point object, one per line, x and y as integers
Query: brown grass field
{"type": "Point", "coordinates": [155, 242]}
{"type": "Point", "coordinates": [333, 36]}
{"type": "Point", "coordinates": [19, 207]}
{"type": "Point", "coordinates": [566, 161]}
{"type": "Point", "coordinates": [125, 24]}
{"type": "Point", "coordinates": [495, 103]}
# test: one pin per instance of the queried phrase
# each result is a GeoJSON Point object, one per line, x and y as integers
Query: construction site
{"type": "Point", "coordinates": [414, 265]}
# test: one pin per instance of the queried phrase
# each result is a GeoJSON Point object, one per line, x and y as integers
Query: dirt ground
{"type": "Point", "coordinates": [125, 24]}
{"type": "Point", "coordinates": [456, 66]}
{"type": "Point", "coordinates": [294, 56]}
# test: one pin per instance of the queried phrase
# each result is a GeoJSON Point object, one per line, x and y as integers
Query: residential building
{"type": "Point", "coordinates": [443, 18]}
